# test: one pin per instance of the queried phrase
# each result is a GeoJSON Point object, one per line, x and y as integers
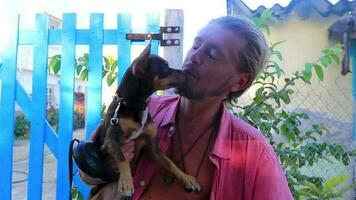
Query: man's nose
{"type": "Point", "coordinates": [196, 56]}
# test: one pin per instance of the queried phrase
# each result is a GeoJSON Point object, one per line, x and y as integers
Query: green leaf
{"type": "Point", "coordinates": [285, 98]}
{"type": "Point", "coordinates": [111, 78]}
{"type": "Point", "coordinates": [332, 182]}
{"type": "Point", "coordinates": [55, 64]}
{"type": "Point", "coordinates": [104, 73]}
{"type": "Point", "coordinates": [79, 68]}
{"type": "Point", "coordinates": [273, 45]}
{"type": "Point", "coordinates": [266, 28]}
{"type": "Point", "coordinates": [325, 61]}
{"type": "Point", "coordinates": [107, 63]}
{"type": "Point", "coordinates": [278, 69]}
{"type": "Point", "coordinates": [57, 68]}
{"type": "Point", "coordinates": [326, 50]}
{"type": "Point", "coordinates": [335, 58]}
{"type": "Point", "coordinates": [319, 71]}
{"type": "Point", "coordinates": [286, 131]}
{"type": "Point", "coordinates": [278, 54]}
{"type": "Point", "coordinates": [266, 15]}
{"type": "Point", "coordinates": [307, 77]}
{"type": "Point", "coordinates": [308, 67]}
{"type": "Point", "coordinates": [337, 48]}
{"type": "Point", "coordinates": [84, 75]}
{"type": "Point", "coordinates": [114, 66]}
{"type": "Point", "coordinates": [84, 58]}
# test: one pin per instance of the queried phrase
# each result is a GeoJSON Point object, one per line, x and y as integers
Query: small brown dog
{"type": "Point", "coordinates": [127, 118]}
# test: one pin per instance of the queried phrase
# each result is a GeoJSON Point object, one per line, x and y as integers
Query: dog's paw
{"type": "Point", "coordinates": [125, 185]}
{"type": "Point", "coordinates": [191, 184]}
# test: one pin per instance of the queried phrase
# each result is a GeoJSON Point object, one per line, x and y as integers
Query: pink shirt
{"type": "Point", "coordinates": [246, 165]}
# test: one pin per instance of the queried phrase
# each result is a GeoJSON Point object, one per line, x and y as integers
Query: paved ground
{"type": "Point", "coordinates": [20, 170]}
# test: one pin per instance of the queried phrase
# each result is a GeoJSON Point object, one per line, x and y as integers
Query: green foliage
{"type": "Point", "coordinates": [326, 191]}
{"type": "Point", "coordinates": [52, 117]}
{"type": "Point", "coordinates": [22, 126]}
{"type": "Point", "coordinates": [329, 55]}
{"type": "Point", "coordinates": [79, 120]}
{"type": "Point", "coordinates": [263, 21]}
{"type": "Point", "coordinates": [76, 194]}
{"type": "Point", "coordinates": [298, 148]}
{"type": "Point", "coordinates": [81, 68]}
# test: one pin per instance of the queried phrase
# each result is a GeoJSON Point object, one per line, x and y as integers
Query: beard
{"type": "Point", "coordinates": [185, 90]}
{"type": "Point", "coordinates": [192, 92]}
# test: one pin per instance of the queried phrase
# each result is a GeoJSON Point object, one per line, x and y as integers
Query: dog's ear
{"type": "Point", "coordinates": [139, 65]}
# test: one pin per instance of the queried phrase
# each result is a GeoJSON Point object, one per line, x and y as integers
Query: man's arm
{"type": "Point", "coordinates": [271, 183]}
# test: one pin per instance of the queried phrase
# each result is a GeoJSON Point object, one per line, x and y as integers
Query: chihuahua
{"type": "Point", "coordinates": [127, 119]}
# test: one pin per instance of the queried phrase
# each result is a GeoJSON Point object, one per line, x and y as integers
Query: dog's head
{"type": "Point", "coordinates": [156, 69]}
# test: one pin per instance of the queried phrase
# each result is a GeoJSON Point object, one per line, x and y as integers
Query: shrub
{"type": "Point", "coordinates": [299, 148]}
{"type": "Point", "coordinates": [52, 117]}
{"type": "Point", "coordinates": [22, 126]}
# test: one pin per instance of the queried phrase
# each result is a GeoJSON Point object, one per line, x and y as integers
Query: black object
{"type": "Point", "coordinates": [88, 158]}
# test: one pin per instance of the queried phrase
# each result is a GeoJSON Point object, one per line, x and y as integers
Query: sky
{"type": "Point", "coordinates": [193, 21]}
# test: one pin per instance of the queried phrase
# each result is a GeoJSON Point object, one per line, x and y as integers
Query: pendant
{"type": "Point", "coordinates": [168, 178]}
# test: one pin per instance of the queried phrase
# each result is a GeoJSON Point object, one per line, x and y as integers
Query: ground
{"type": "Point", "coordinates": [20, 170]}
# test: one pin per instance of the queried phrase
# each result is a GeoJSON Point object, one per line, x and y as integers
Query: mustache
{"type": "Point", "coordinates": [190, 69]}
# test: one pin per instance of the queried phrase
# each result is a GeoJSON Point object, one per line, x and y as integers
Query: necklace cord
{"type": "Point", "coordinates": [183, 155]}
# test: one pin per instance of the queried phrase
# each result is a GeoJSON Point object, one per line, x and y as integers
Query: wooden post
{"type": "Point", "coordinates": [174, 54]}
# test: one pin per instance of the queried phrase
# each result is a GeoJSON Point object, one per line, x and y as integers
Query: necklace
{"type": "Point", "coordinates": [169, 178]}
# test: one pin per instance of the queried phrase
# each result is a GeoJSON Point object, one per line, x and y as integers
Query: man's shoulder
{"type": "Point", "coordinates": [162, 99]}
{"type": "Point", "coordinates": [243, 131]}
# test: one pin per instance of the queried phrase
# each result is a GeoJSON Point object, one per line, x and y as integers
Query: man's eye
{"type": "Point", "coordinates": [212, 55]}
{"type": "Point", "coordinates": [195, 47]}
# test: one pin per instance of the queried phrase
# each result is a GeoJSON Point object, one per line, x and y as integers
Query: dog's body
{"type": "Point", "coordinates": [127, 118]}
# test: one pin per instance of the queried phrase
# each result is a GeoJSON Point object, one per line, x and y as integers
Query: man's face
{"type": "Point", "coordinates": [210, 64]}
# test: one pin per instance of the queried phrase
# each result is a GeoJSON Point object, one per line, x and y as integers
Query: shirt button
{"type": "Point", "coordinates": [142, 183]}
{"type": "Point", "coordinates": [171, 131]}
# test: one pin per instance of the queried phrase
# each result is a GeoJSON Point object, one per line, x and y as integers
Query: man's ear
{"type": "Point", "coordinates": [139, 65]}
{"type": "Point", "coordinates": [242, 81]}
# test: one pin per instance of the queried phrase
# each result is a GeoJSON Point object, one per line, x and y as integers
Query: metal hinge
{"type": "Point", "coordinates": [138, 37]}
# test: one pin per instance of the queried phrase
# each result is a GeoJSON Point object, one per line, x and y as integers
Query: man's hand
{"type": "Point", "coordinates": [127, 149]}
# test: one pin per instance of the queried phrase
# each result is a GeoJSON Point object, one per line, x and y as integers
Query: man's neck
{"type": "Point", "coordinates": [198, 114]}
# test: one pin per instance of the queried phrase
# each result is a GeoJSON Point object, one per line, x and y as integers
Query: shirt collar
{"type": "Point", "coordinates": [222, 146]}
{"type": "Point", "coordinates": [170, 114]}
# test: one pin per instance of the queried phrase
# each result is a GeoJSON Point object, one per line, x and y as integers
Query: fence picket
{"type": "Point", "coordinates": [39, 94]}
{"type": "Point", "coordinates": [7, 111]}
{"type": "Point", "coordinates": [25, 103]}
{"type": "Point", "coordinates": [123, 45]}
{"type": "Point", "coordinates": [93, 100]}
{"type": "Point", "coordinates": [66, 103]}
{"type": "Point", "coordinates": [41, 132]}
{"type": "Point", "coordinates": [152, 26]}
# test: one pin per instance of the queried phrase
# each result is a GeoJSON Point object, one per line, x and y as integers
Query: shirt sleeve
{"type": "Point", "coordinates": [270, 182]}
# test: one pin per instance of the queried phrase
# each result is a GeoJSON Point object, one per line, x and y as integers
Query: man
{"type": "Point", "coordinates": [229, 158]}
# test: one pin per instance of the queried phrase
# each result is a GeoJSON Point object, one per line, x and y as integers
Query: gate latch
{"type": "Point", "coordinates": [140, 37]}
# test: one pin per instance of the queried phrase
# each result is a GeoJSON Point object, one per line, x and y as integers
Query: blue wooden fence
{"type": "Point", "coordinates": [35, 108]}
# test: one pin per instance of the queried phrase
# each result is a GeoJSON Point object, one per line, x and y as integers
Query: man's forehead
{"type": "Point", "coordinates": [220, 37]}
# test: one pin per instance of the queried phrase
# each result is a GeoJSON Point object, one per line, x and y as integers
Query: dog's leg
{"type": "Point", "coordinates": [188, 181]}
{"type": "Point", "coordinates": [113, 146]}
